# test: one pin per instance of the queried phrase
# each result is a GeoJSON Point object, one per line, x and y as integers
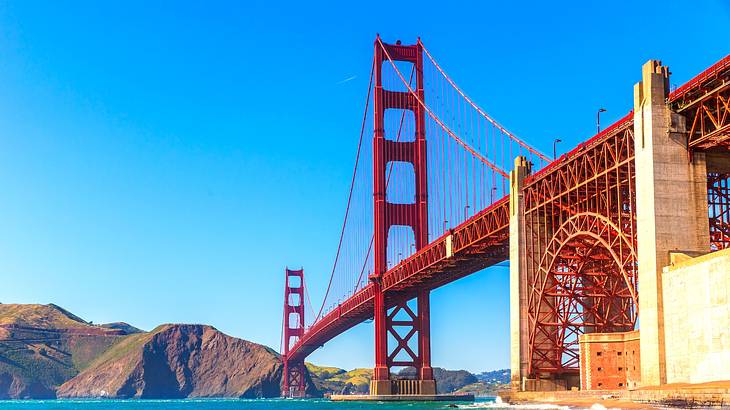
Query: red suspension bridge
{"type": "Point", "coordinates": [429, 203]}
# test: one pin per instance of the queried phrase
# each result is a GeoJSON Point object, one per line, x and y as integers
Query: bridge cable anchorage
{"type": "Point", "coordinates": [349, 196]}
{"type": "Point", "coordinates": [455, 137]}
{"type": "Point", "coordinates": [481, 112]}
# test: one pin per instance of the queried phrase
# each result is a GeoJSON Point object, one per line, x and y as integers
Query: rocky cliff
{"type": "Point", "coordinates": [177, 361]}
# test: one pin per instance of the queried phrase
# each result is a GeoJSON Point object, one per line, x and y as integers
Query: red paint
{"type": "Point", "coordinates": [293, 373]}
{"type": "Point", "coordinates": [386, 214]}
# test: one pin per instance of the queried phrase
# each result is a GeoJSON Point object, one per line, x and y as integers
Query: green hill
{"type": "Point", "coordinates": [334, 380]}
{"type": "Point", "coordinates": [338, 381]}
{"type": "Point", "coordinates": [42, 346]}
{"type": "Point", "coordinates": [40, 316]}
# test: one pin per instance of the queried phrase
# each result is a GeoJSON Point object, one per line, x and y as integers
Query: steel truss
{"type": "Point", "coordinates": [580, 246]}
{"type": "Point", "coordinates": [718, 201]}
{"type": "Point", "coordinates": [705, 103]}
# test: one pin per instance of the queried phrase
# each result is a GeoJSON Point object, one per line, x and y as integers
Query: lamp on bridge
{"type": "Point", "coordinates": [598, 119]}
{"type": "Point", "coordinates": [557, 140]}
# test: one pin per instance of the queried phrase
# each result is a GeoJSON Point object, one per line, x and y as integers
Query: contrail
{"type": "Point", "coordinates": [346, 80]}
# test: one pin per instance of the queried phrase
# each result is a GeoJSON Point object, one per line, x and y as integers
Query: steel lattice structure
{"type": "Point", "coordinates": [718, 201]}
{"type": "Point", "coordinates": [705, 104]}
{"type": "Point", "coordinates": [580, 248]}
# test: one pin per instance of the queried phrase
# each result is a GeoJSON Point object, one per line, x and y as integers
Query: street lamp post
{"type": "Point", "coordinates": [598, 119]}
{"type": "Point", "coordinates": [555, 142]}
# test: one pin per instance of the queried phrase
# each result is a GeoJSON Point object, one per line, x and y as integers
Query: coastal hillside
{"type": "Point", "coordinates": [42, 346]}
{"type": "Point", "coordinates": [447, 381]}
{"type": "Point", "coordinates": [47, 352]}
{"type": "Point", "coordinates": [333, 380]}
{"type": "Point", "coordinates": [180, 361]}
{"type": "Point", "coordinates": [489, 383]}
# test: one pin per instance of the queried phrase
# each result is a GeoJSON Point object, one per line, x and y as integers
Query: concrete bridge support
{"type": "Point", "coordinates": [671, 207]}
{"type": "Point", "coordinates": [518, 275]}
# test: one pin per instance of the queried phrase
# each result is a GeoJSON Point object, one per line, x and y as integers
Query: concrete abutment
{"type": "Point", "coordinates": [671, 207]}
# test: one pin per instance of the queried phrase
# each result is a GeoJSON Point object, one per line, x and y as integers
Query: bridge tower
{"type": "Point", "coordinates": [388, 214]}
{"type": "Point", "coordinates": [293, 376]}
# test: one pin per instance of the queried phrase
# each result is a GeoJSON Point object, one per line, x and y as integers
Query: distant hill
{"type": "Point", "coordinates": [42, 346]}
{"type": "Point", "coordinates": [180, 361]}
{"type": "Point", "coordinates": [40, 316]}
{"type": "Point", "coordinates": [124, 327]}
{"type": "Point", "coordinates": [48, 352]}
{"type": "Point", "coordinates": [338, 381]}
{"type": "Point", "coordinates": [447, 381]}
{"type": "Point", "coordinates": [488, 383]}
{"type": "Point", "coordinates": [501, 376]}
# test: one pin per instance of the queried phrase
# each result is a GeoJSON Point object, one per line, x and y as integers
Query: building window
{"type": "Point", "coordinates": [619, 353]}
{"type": "Point", "coordinates": [600, 384]}
{"type": "Point", "coordinates": [599, 369]}
{"type": "Point", "coordinates": [620, 368]}
{"type": "Point", "coordinates": [620, 385]}
{"type": "Point", "coordinates": [598, 353]}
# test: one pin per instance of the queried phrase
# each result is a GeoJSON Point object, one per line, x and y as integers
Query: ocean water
{"type": "Point", "coordinates": [271, 404]}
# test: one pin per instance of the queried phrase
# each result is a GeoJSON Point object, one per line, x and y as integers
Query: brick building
{"type": "Point", "coordinates": [609, 361]}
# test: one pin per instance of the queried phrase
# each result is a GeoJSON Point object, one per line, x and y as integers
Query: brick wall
{"type": "Point", "coordinates": [609, 361]}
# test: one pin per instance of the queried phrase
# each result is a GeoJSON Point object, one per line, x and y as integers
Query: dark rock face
{"type": "Point", "coordinates": [14, 387]}
{"type": "Point", "coordinates": [177, 361]}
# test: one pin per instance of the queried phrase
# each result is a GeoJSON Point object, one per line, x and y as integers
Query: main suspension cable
{"type": "Point", "coordinates": [437, 119]}
{"type": "Point", "coordinates": [480, 111]}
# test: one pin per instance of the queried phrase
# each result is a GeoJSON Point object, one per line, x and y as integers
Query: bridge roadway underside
{"type": "Point", "coordinates": [479, 242]}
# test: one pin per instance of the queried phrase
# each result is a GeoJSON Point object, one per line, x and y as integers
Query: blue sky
{"type": "Point", "coordinates": [164, 162]}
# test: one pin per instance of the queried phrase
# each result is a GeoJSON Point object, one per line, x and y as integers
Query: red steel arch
{"type": "Point", "coordinates": [586, 282]}
{"type": "Point", "coordinates": [580, 249]}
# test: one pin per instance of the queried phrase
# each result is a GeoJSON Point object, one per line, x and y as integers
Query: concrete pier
{"type": "Point", "coordinates": [671, 207]}
{"type": "Point", "coordinates": [517, 275]}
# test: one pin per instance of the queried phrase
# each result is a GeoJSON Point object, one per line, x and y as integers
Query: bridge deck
{"type": "Point", "coordinates": [479, 242]}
